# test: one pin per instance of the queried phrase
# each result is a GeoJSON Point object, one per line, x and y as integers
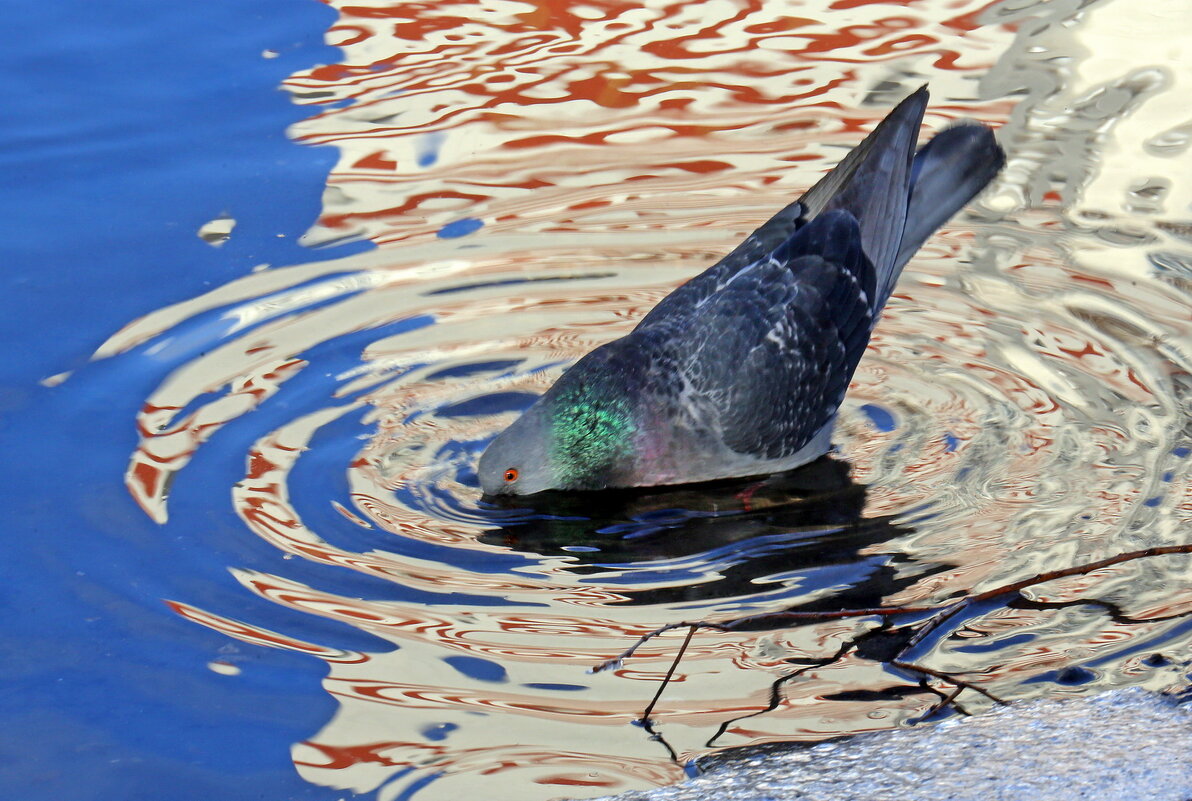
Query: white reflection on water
{"type": "Point", "coordinates": [1023, 406]}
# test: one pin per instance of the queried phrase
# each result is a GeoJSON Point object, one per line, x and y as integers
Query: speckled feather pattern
{"type": "Point", "coordinates": [740, 371]}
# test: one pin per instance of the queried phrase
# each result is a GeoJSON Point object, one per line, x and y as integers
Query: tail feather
{"type": "Point", "coordinates": [873, 184]}
{"type": "Point", "coordinates": [948, 172]}
{"type": "Point", "coordinates": [900, 197]}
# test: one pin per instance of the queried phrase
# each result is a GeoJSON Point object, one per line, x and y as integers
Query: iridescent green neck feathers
{"type": "Point", "coordinates": [592, 434]}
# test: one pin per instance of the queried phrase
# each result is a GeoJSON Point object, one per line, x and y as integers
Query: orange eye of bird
{"type": "Point", "coordinates": [511, 475]}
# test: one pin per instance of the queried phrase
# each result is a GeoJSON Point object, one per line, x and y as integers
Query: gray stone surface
{"type": "Point", "coordinates": [1124, 744]}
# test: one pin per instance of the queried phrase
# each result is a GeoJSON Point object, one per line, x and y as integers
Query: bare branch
{"type": "Point", "coordinates": [939, 615]}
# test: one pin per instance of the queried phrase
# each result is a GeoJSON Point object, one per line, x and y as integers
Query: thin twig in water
{"type": "Point", "coordinates": [940, 613]}
{"type": "Point", "coordinates": [948, 677]}
{"type": "Point", "coordinates": [776, 690]}
{"type": "Point", "coordinates": [645, 638]}
{"type": "Point", "coordinates": [666, 679]}
{"type": "Point", "coordinates": [939, 616]}
{"type": "Point", "coordinates": [955, 608]}
{"type": "Point", "coordinates": [944, 703]}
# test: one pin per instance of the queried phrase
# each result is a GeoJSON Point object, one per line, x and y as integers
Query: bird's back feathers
{"type": "Point", "coordinates": [741, 370]}
{"type": "Point", "coordinates": [873, 184]}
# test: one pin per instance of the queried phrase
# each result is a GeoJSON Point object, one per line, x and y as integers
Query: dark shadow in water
{"type": "Point", "coordinates": [721, 540]}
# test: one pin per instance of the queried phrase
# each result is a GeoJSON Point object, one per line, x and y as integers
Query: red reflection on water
{"type": "Point", "coordinates": [644, 138]}
{"type": "Point", "coordinates": [259, 636]}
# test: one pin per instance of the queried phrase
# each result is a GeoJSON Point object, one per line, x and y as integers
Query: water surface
{"type": "Point", "coordinates": [534, 178]}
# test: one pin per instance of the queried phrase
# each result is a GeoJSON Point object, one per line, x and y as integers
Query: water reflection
{"type": "Point", "coordinates": [540, 175]}
{"type": "Point", "coordinates": [716, 540]}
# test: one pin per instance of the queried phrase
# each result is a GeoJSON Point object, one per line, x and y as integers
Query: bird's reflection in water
{"type": "Point", "coordinates": [723, 540]}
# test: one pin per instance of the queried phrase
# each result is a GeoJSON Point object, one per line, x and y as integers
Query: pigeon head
{"type": "Point", "coordinates": [579, 435]}
{"type": "Point", "coordinates": [518, 461]}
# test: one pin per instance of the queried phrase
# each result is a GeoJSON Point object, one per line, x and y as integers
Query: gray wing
{"type": "Point", "coordinates": [872, 183]}
{"type": "Point", "coordinates": [770, 354]}
{"type": "Point", "coordinates": [766, 341]}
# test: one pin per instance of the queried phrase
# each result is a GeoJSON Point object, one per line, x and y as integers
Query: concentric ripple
{"type": "Point", "coordinates": [985, 446]}
{"type": "Point", "coordinates": [1023, 405]}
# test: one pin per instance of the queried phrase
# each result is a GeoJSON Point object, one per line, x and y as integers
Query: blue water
{"type": "Point", "coordinates": [126, 126]}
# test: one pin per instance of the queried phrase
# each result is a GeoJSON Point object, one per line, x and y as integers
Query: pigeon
{"type": "Point", "coordinates": [741, 370]}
